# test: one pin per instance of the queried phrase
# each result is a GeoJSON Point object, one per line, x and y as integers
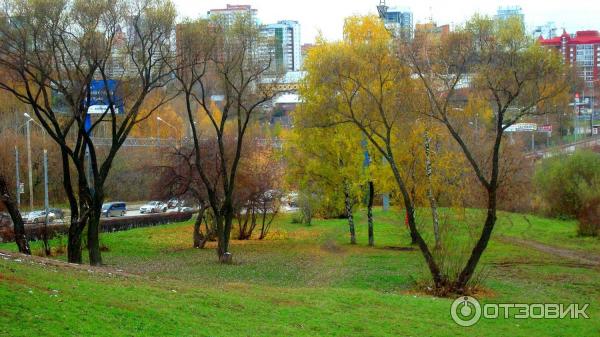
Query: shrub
{"type": "Point", "coordinates": [568, 183]}
{"type": "Point", "coordinates": [589, 219]}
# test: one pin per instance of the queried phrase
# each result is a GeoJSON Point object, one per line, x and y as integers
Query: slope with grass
{"type": "Point", "coordinates": [303, 281]}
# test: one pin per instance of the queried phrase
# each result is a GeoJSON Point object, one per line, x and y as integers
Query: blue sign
{"type": "Point", "coordinates": [367, 159]}
{"type": "Point", "coordinates": [100, 93]}
{"type": "Point", "coordinates": [87, 123]}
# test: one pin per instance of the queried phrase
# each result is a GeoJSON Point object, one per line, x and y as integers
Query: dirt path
{"type": "Point", "coordinates": [589, 259]}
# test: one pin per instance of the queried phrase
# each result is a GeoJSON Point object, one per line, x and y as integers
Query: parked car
{"type": "Point", "coordinates": [5, 220]}
{"type": "Point", "coordinates": [174, 203]}
{"type": "Point", "coordinates": [110, 209]}
{"type": "Point", "coordinates": [38, 217]}
{"type": "Point", "coordinates": [185, 209]}
{"type": "Point", "coordinates": [58, 213]}
{"type": "Point", "coordinates": [153, 207]}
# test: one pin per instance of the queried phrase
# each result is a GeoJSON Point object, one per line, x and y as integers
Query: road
{"type": "Point", "coordinates": [133, 210]}
{"type": "Point", "coordinates": [588, 143]}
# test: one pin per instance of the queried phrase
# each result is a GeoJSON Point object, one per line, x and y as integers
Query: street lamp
{"type": "Point", "coordinates": [169, 125]}
{"type": "Point", "coordinates": [29, 165]}
{"type": "Point", "coordinates": [593, 103]}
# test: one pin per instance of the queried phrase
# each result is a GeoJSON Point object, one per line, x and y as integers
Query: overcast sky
{"type": "Point", "coordinates": [328, 16]}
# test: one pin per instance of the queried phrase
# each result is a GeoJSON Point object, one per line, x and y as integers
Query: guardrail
{"type": "Point", "coordinates": [566, 148]}
{"type": "Point", "coordinates": [37, 231]}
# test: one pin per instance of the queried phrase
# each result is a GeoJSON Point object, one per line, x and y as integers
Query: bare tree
{"type": "Point", "coordinates": [62, 57]}
{"type": "Point", "coordinates": [180, 178]}
{"type": "Point", "coordinates": [229, 78]}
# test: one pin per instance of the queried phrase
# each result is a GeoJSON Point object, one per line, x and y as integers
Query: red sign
{"type": "Point", "coordinates": [545, 128]}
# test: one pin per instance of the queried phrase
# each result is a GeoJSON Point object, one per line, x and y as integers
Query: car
{"type": "Point", "coordinates": [110, 209]}
{"type": "Point", "coordinates": [154, 207]}
{"type": "Point", "coordinates": [5, 220]}
{"type": "Point", "coordinates": [174, 203]}
{"type": "Point", "coordinates": [185, 209]}
{"type": "Point", "coordinates": [38, 217]}
{"type": "Point", "coordinates": [58, 213]}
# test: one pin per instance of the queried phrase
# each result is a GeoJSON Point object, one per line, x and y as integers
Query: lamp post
{"type": "Point", "coordinates": [30, 174]}
{"type": "Point", "coordinates": [169, 125]}
{"type": "Point", "coordinates": [29, 165]}
{"type": "Point", "coordinates": [158, 119]}
{"type": "Point", "coordinates": [17, 176]}
{"type": "Point", "coordinates": [592, 103]}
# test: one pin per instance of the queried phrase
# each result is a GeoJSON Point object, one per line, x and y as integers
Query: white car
{"type": "Point", "coordinates": [153, 207]}
{"type": "Point", "coordinates": [38, 217]}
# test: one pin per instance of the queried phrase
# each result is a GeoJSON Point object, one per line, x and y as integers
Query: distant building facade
{"type": "Point", "coordinates": [400, 21]}
{"type": "Point", "coordinates": [547, 30]}
{"type": "Point", "coordinates": [287, 50]}
{"type": "Point", "coordinates": [305, 49]}
{"type": "Point", "coordinates": [232, 11]}
{"type": "Point", "coordinates": [581, 50]}
{"type": "Point", "coordinates": [431, 31]}
{"type": "Point", "coordinates": [508, 12]}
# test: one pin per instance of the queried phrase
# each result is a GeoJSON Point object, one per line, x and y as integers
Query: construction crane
{"type": "Point", "coordinates": [382, 9]}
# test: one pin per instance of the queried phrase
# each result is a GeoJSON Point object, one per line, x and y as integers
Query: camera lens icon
{"type": "Point", "coordinates": [466, 311]}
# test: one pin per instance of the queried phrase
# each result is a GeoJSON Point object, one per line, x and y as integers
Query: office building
{"type": "Point", "coordinates": [232, 11]}
{"type": "Point", "coordinates": [399, 21]}
{"type": "Point", "coordinates": [286, 48]}
{"type": "Point", "coordinates": [507, 12]}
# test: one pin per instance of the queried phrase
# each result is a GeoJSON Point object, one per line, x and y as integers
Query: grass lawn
{"type": "Point", "coordinates": [303, 281]}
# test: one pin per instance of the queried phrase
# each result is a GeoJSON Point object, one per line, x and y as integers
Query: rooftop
{"type": "Point", "coordinates": [581, 37]}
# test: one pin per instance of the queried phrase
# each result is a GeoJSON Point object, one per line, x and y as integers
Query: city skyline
{"type": "Point", "coordinates": [328, 16]}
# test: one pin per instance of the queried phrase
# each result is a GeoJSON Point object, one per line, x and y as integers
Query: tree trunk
{"type": "Point", "coordinates": [224, 223]}
{"type": "Point", "coordinates": [430, 196]}
{"type": "Point", "coordinates": [199, 239]}
{"type": "Point", "coordinates": [225, 256]}
{"type": "Point", "coordinates": [74, 248]}
{"type": "Point", "coordinates": [490, 221]}
{"type": "Point", "coordinates": [15, 215]}
{"type": "Point", "coordinates": [348, 204]}
{"type": "Point", "coordinates": [370, 214]}
{"type": "Point", "coordinates": [439, 280]}
{"type": "Point", "coordinates": [413, 237]}
{"type": "Point", "coordinates": [93, 236]}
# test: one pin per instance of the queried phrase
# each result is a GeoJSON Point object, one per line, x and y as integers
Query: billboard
{"type": "Point", "coordinates": [99, 97]}
{"type": "Point", "coordinates": [522, 127]}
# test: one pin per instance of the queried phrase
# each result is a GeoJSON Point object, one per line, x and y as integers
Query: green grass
{"type": "Point", "coordinates": [303, 281]}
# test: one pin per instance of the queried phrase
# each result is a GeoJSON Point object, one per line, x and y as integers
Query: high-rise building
{"type": "Point", "coordinates": [399, 20]}
{"type": "Point", "coordinates": [507, 12]}
{"type": "Point", "coordinates": [583, 51]}
{"type": "Point", "coordinates": [287, 50]}
{"type": "Point", "coordinates": [232, 11]}
{"type": "Point", "coordinates": [305, 48]}
{"type": "Point", "coordinates": [547, 31]}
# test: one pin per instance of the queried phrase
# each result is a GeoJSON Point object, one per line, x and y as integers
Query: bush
{"type": "Point", "coordinates": [566, 184]}
{"type": "Point", "coordinates": [589, 219]}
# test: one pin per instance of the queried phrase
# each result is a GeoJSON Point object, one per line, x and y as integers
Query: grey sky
{"type": "Point", "coordinates": [328, 15]}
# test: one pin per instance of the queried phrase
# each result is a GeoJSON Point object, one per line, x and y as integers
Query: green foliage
{"type": "Point", "coordinates": [323, 164]}
{"type": "Point", "coordinates": [310, 284]}
{"type": "Point", "coordinates": [568, 183]}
